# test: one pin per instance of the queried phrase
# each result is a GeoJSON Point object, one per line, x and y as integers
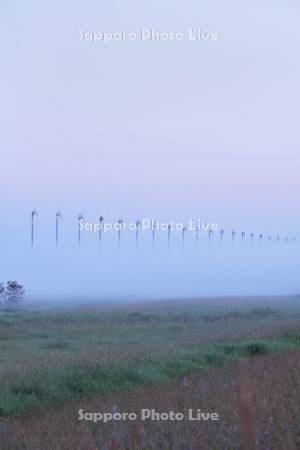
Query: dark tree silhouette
{"type": "Point", "coordinates": [13, 293]}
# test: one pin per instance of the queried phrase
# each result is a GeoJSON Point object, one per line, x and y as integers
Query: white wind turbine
{"type": "Point", "coordinates": [243, 236]}
{"type": "Point", "coordinates": [137, 229]}
{"type": "Point", "coordinates": [33, 215]}
{"type": "Point", "coordinates": [58, 217]}
{"type": "Point", "coordinates": [101, 219]}
{"type": "Point", "coordinates": [154, 228]}
{"type": "Point", "coordinates": [222, 234]}
{"type": "Point", "coordinates": [233, 236]}
{"type": "Point", "coordinates": [183, 235]}
{"type": "Point", "coordinates": [80, 222]}
{"type": "Point", "coordinates": [197, 234]}
{"type": "Point", "coordinates": [120, 223]}
{"type": "Point", "coordinates": [169, 235]}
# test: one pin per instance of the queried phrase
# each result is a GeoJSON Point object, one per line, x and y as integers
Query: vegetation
{"type": "Point", "coordinates": [55, 358]}
{"type": "Point", "coordinates": [258, 404]}
{"type": "Point", "coordinates": [11, 294]}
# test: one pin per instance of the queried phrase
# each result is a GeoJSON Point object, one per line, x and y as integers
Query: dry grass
{"type": "Point", "coordinates": [258, 403]}
{"type": "Point", "coordinates": [34, 339]}
{"type": "Point", "coordinates": [257, 398]}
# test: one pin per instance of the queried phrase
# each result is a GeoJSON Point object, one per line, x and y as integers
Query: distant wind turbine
{"type": "Point", "coordinates": [210, 235]}
{"type": "Point", "coordinates": [169, 235]}
{"type": "Point", "coordinates": [80, 221]}
{"type": "Point", "coordinates": [252, 237]}
{"type": "Point", "coordinates": [33, 215]}
{"type": "Point", "coordinates": [243, 236]}
{"type": "Point", "coordinates": [101, 219]}
{"type": "Point", "coordinates": [260, 238]}
{"type": "Point", "coordinates": [120, 223]}
{"type": "Point", "coordinates": [222, 234]}
{"type": "Point", "coordinates": [197, 234]}
{"type": "Point", "coordinates": [183, 235]}
{"type": "Point", "coordinates": [58, 216]}
{"type": "Point", "coordinates": [137, 229]}
{"type": "Point", "coordinates": [233, 236]}
{"type": "Point", "coordinates": [154, 225]}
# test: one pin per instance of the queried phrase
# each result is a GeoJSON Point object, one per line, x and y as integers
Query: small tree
{"type": "Point", "coordinates": [13, 293]}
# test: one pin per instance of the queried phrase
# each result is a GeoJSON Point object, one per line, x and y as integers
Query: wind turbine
{"type": "Point", "coordinates": [58, 217]}
{"type": "Point", "coordinates": [278, 239]}
{"type": "Point", "coordinates": [233, 236]}
{"type": "Point", "coordinates": [252, 237]}
{"type": "Point", "coordinates": [210, 235]}
{"type": "Point", "coordinates": [80, 221]}
{"type": "Point", "coordinates": [243, 236]}
{"type": "Point", "coordinates": [222, 234]}
{"type": "Point", "coordinates": [183, 235]}
{"type": "Point", "coordinates": [154, 225]}
{"type": "Point", "coordinates": [260, 238]}
{"type": "Point", "coordinates": [169, 235]}
{"type": "Point", "coordinates": [137, 227]}
{"type": "Point", "coordinates": [197, 234]}
{"type": "Point", "coordinates": [33, 215]}
{"type": "Point", "coordinates": [101, 219]}
{"type": "Point", "coordinates": [120, 223]}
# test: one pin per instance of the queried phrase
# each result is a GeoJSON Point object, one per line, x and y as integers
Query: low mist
{"type": "Point", "coordinates": [142, 268]}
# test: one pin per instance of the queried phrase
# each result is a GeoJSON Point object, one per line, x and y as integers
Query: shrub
{"type": "Point", "coordinates": [12, 293]}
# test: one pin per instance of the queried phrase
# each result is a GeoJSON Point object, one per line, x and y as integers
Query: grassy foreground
{"type": "Point", "coordinates": [53, 357]}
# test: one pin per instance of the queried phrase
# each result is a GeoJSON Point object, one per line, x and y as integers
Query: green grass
{"type": "Point", "coordinates": [48, 387]}
{"type": "Point", "coordinates": [49, 358]}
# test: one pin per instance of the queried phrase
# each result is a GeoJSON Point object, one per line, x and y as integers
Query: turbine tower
{"type": "Point", "coordinates": [197, 234]}
{"type": "Point", "coordinates": [58, 217]}
{"type": "Point", "coordinates": [80, 221]}
{"type": "Point", "coordinates": [222, 234]}
{"type": "Point", "coordinates": [33, 215]}
{"type": "Point", "coordinates": [120, 223]}
{"type": "Point", "coordinates": [137, 228]}
{"type": "Point", "coordinates": [154, 225]}
{"type": "Point", "coordinates": [101, 219]}
{"type": "Point", "coordinates": [252, 237]}
{"type": "Point", "coordinates": [233, 236]}
{"type": "Point", "coordinates": [183, 235]}
{"type": "Point", "coordinates": [169, 235]}
{"type": "Point", "coordinates": [243, 236]}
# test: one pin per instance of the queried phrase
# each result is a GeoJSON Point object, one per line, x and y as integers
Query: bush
{"type": "Point", "coordinates": [12, 293]}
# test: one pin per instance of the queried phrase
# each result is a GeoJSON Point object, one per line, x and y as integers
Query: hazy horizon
{"type": "Point", "coordinates": [168, 130]}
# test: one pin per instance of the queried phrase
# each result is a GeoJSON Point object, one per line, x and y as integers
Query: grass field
{"type": "Point", "coordinates": [54, 360]}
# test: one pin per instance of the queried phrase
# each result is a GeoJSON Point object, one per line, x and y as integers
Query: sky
{"type": "Point", "coordinates": [166, 129]}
